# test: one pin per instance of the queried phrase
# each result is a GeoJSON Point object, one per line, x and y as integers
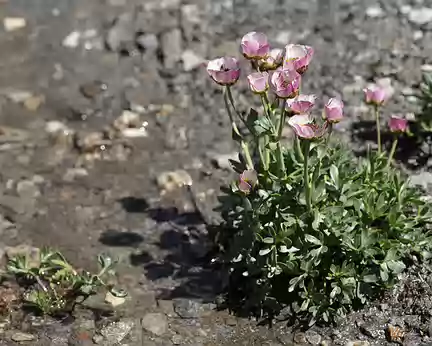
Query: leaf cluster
{"type": "Point", "coordinates": [365, 225]}
{"type": "Point", "coordinates": [54, 286]}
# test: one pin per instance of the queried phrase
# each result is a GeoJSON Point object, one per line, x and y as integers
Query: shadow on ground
{"type": "Point", "coordinates": [184, 243]}
{"type": "Point", "coordinates": [413, 151]}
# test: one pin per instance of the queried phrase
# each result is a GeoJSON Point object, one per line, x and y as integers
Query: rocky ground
{"type": "Point", "coordinates": [105, 108]}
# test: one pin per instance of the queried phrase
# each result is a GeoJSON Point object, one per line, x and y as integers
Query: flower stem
{"type": "Point", "coordinates": [280, 160]}
{"type": "Point", "coordinates": [306, 175]}
{"type": "Point", "coordinates": [378, 128]}
{"type": "Point", "coordinates": [392, 152]}
{"type": "Point", "coordinates": [330, 131]}
{"type": "Point", "coordinates": [243, 144]}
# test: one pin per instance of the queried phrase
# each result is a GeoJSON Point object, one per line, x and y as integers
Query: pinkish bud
{"type": "Point", "coordinates": [224, 71]}
{"type": "Point", "coordinates": [273, 61]}
{"type": "Point", "coordinates": [374, 94]}
{"type": "Point", "coordinates": [285, 83]}
{"type": "Point", "coordinates": [301, 104]}
{"type": "Point", "coordinates": [248, 180]}
{"type": "Point", "coordinates": [304, 127]}
{"type": "Point", "coordinates": [398, 125]}
{"type": "Point", "coordinates": [334, 110]}
{"type": "Point", "coordinates": [255, 45]}
{"type": "Point", "coordinates": [298, 57]}
{"type": "Point", "coordinates": [258, 82]}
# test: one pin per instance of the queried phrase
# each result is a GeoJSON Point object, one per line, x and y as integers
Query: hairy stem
{"type": "Point", "coordinates": [378, 128]}
{"type": "Point", "coordinates": [306, 175]}
{"type": "Point", "coordinates": [280, 159]}
{"type": "Point", "coordinates": [392, 152]}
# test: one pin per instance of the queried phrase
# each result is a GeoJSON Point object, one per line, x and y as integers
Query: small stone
{"type": "Point", "coordinates": [121, 33]}
{"type": "Point", "coordinates": [300, 338]}
{"type": "Point", "coordinates": [72, 40]}
{"type": "Point", "coordinates": [222, 161]}
{"type": "Point", "coordinates": [283, 37]}
{"type": "Point", "coordinates": [14, 23]}
{"type": "Point", "coordinates": [74, 173]}
{"type": "Point", "coordinates": [167, 306]}
{"type": "Point", "coordinates": [177, 138]}
{"type": "Point", "coordinates": [28, 189]}
{"type": "Point", "coordinates": [374, 12]}
{"type": "Point", "coordinates": [135, 133]}
{"type": "Point", "coordinates": [313, 337]}
{"type": "Point", "coordinates": [98, 339]}
{"type": "Point", "coordinates": [426, 68]}
{"type": "Point", "coordinates": [155, 323]}
{"type": "Point", "coordinates": [22, 337]}
{"type": "Point", "coordinates": [187, 308]}
{"type": "Point", "coordinates": [115, 332]}
{"type": "Point", "coordinates": [191, 60]}
{"type": "Point", "coordinates": [34, 102]}
{"type": "Point", "coordinates": [148, 42]}
{"type": "Point", "coordinates": [422, 179]}
{"type": "Point", "coordinates": [405, 9]}
{"type": "Point", "coordinates": [171, 45]}
{"type": "Point", "coordinates": [17, 96]}
{"type": "Point", "coordinates": [418, 35]}
{"type": "Point", "coordinates": [357, 343]}
{"type": "Point", "coordinates": [420, 16]}
{"type": "Point", "coordinates": [113, 300]}
{"type": "Point", "coordinates": [169, 181]}
{"type": "Point", "coordinates": [177, 339]}
{"type": "Point", "coordinates": [92, 89]}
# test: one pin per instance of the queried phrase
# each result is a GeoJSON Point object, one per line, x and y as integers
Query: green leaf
{"type": "Point", "coordinates": [252, 117]}
{"type": "Point", "coordinates": [268, 240]}
{"type": "Point", "coordinates": [262, 126]}
{"type": "Point", "coordinates": [370, 278]}
{"type": "Point", "coordinates": [396, 267]}
{"type": "Point", "coordinates": [311, 239]}
{"type": "Point", "coordinates": [334, 174]}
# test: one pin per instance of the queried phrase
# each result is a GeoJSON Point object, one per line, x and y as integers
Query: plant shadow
{"type": "Point", "coordinates": [413, 151]}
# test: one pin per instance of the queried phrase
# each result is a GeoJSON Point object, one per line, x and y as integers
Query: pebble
{"type": "Point", "coordinates": [17, 96]}
{"type": "Point", "coordinates": [155, 323]}
{"type": "Point", "coordinates": [357, 343]}
{"type": "Point", "coordinates": [418, 35]}
{"type": "Point", "coordinates": [177, 339]}
{"type": "Point", "coordinates": [222, 160]}
{"type": "Point", "coordinates": [115, 332]}
{"type": "Point", "coordinates": [187, 308]}
{"type": "Point", "coordinates": [422, 179]}
{"type": "Point", "coordinates": [191, 60]}
{"type": "Point", "coordinates": [28, 189]}
{"type": "Point", "coordinates": [121, 33]}
{"type": "Point", "coordinates": [14, 23]}
{"type": "Point", "coordinates": [72, 40]}
{"type": "Point", "coordinates": [74, 173]}
{"type": "Point", "coordinates": [135, 133]}
{"type": "Point", "coordinates": [148, 42]}
{"type": "Point", "coordinates": [374, 12]}
{"type": "Point", "coordinates": [34, 102]}
{"type": "Point", "coordinates": [300, 338]}
{"type": "Point", "coordinates": [22, 337]}
{"type": "Point", "coordinates": [171, 45]}
{"type": "Point", "coordinates": [113, 300]}
{"type": "Point", "coordinates": [426, 68]}
{"type": "Point", "coordinates": [313, 337]}
{"type": "Point", "coordinates": [172, 180]}
{"type": "Point", "coordinates": [420, 16]}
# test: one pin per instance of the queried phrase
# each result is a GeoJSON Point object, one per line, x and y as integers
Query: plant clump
{"type": "Point", "coordinates": [310, 228]}
{"type": "Point", "coordinates": [53, 286]}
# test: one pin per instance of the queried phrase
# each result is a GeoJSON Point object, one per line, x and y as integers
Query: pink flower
{"type": "Point", "coordinates": [334, 110]}
{"type": "Point", "coordinates": [285, 83]}
{"type": "Point", "coordinates": [224, 71]}
{"type": "Point", "coordinates": [298, 57]}
{"type": "Point", "coordinates": [273, 61]}
{"type": "Point", "coordinates": [374, 94]}
{"type": "Point", "coordinates": [301, 103]}
{"type": "Point", "coordinates": [398, 125]}
{"type": "Point", "coordinates": [258, 82]}
{"type": "Point", "coordinates": [248, 180]}
{"type": "Point", "coordinates": [304, 127]}
{"type": "Point", "coordinates": [255, 45]}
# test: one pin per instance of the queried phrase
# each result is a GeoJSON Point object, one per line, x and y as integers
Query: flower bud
{"type": "Point", "coordinates": [255, 45]}
{"type": "Point", "coordinates": [224, 71]}
{"type": "Point", "coordinates": [258, 82]}
{"type": "Point", "coordinates": [398, 125]}
{"type": "Point", "coordinates": [248, 180]}
{"type": "Point", "coordinates": [285, 83]}
{"type": "Point", "coordinates": [333, 110]}
{"type": "Point", "coordinates": [304, 127]}
{"type": "Point", "coordinates": [298, 57]}
{"type": "Point", "coordinates": [375, 95]}
{"type": "Point", "coordinates": [300, 104]}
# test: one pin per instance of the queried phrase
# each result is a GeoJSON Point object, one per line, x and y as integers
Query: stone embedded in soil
{"type": "Point", "coordinates": [423, 179]}
{"type": "Point", "coordinates": [171, 45]}
{"type": "Point", "coordinates": [14, 23]}
{"type": "Point", "coordinates": [187, 308]}
{"type": "Point", "coordinates": [115, 332]}
{"type": "Point", "coordinates": [121, 33]}
{"type": "Point", "coordinates": [93, 89]}
{"type": "Point", "coordinates": [74, 173]}
{"type": "Point", "coordinates": [313, 337]}
{"type": "Point", "coordinates": [169, 181]}
{"type": "Point", "coordinates": [113, 300]}
{"type": "Point", "coordinates": [374, 12]}
{"type": "Point", "coordinates": [222, 161]}
{"type": "Point", "coordinates": [148, 42]}
{"type": "Point", "coordinates": [17, 96]}
{"type": "Point", "coordinates": [34, 102]}
{"type": "Point", "coordinates": [72, 40]}
{"type": "Point", "coordinates": [300, 338]}
{"type": "Point", "coordinates": [191, 60]}
{"type": "Point", "coordinates": [155, 323]}
{"type": "Point", "coordinates": [22, 337]}
{"type": "Point", "coordinates": [420, 16]}
{"type": "Point", "coordinates": [358, 343]}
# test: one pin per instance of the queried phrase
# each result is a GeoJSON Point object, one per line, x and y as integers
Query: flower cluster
{"type": "Point", "coordinates": [309, 226]}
